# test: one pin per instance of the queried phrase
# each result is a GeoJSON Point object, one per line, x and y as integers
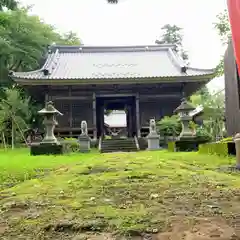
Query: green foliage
{"type": "Point", "coordinates": [14, 115]}
{"type": "Point", "coordinates": [9, 4]}
{"type": "Point", "coordinates": [219, 148]}
{"type": "Point", "coordinates": [25, 42]}
{"type": "Point", "coordinates": [213, 110]}
{"type": "Point", "coordinates": [172, 35]}
{"type": "Point", "coordinates": [223, 28]}
{"type": "Point", "coordinates": [70, 145]}
{"type": "Point", "coordinates": [24, 39]}
{"type": "Point", "coordinates": [169, 126]}
{"type": "Point", "coordinates": [203, 135]}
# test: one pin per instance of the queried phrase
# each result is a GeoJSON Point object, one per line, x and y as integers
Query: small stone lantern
{"type": "Point", "coordinates": [183, 111]}
{"type": "Point", "coordinates": [49, 113]}
{"type": "Point", "coordinates": [49, 144]}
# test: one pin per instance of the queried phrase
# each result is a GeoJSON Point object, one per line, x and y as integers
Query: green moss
{"type": "Point", "coordinates": [171, 146]}
{"type": "Point", "coordinates": [220, 148]}
{"type": "Point", "coordinates": [119, 192]}
{"type": "Point", "coordinates": [228, 139]}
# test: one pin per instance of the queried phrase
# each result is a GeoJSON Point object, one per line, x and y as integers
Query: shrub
{"type": "Point", "coordinates": [70, 145]}
{"type": "Point", "coordinates": [219, 148]}
{"type": "Point", "coordinates": [202, 135]}
{"type": "Point", "coordinates": [169, 126]}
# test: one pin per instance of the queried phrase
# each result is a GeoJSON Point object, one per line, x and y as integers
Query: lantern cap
{"type": "Point", "coordinates": [184, 106]}
{"type": "Point", "coordinates": [49, 108]}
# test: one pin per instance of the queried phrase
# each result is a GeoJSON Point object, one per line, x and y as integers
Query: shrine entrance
{"type": "Point", "coordinates": [106, 104]}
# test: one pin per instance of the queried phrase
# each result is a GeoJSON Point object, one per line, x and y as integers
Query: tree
{"type": "Point", "coordinates": [213, 110]}
{"type": "Point", "coordinates": [24, 40]}
{"type": "Point", "coordinates": [14, 114]}
{"type": "Point", "coordinates": [9, 4]}
{"type": "Point", "coordinates": [169, 126]}
{"type": "Point", "coordinates": [172, 35]}
{"type": "Point", "coordinates": [222, 26]}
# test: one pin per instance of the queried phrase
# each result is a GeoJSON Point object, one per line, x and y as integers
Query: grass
{"type": "Point", "coordinates": [124, 193]}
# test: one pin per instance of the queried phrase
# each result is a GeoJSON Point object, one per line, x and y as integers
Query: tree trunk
{"type": "Point", "coordinates": [13, 135]}
{"type": "Point", "coordinates": [4, 140]}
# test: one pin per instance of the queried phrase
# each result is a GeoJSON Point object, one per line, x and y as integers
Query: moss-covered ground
{"type": "Point", "coordinates": [106, 196]}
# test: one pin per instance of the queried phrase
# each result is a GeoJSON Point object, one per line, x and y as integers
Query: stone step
{"type": "Point", "coordinates": [118, 145]}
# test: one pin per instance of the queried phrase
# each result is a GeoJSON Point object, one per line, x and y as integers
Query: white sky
{"type": "Point", "coordinates": [136, 22]}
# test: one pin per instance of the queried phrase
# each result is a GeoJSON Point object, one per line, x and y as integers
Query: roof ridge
{"type": "Point", "coordinates": [85, 48]}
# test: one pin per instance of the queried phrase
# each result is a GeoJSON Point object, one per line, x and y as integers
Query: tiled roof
{"type": "Point", "coordinates": [83, 62]}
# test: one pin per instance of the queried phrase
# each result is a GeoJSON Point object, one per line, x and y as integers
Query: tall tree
{"type": "Point", "coordinates": [172, 34]}
{"type": "Point", "coordinates": [14, 115]}
{"type": "Point", "coordinates": [9, 4]}
{"type": "Point", "coordinates": [222, 26]}
{"type": "Point", "coordinates": [214, 110]}
{"type": "Point", "coordinates": [24, 40]}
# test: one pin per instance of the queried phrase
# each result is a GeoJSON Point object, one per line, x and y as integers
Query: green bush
{"type": "Point", "coordinates": [202, 135]}
{"type": "Point", "coordinates": [70, 145]}
{"type": "Point", "coordinates": [169, 126]}
{"type": "Point", "coordinates": [219, 148]}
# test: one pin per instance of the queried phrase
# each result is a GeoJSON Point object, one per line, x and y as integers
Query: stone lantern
{"type": "Point", "coordinates": [49, 113]}
{"type": "Point", "coordinates": [184, 113]}
{"type": "Point", "coordinates": [49, 144]}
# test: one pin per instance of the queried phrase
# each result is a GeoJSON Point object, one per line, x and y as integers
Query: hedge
{"type": "Point", "coordinates": [219, 148]}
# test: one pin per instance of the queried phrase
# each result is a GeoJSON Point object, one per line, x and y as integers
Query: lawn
{"type": "Point", "coordinates": [145, 195]}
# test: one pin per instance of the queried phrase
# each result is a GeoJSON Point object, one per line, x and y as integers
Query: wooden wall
{"type": "Point", "coordinates": [231, 92]}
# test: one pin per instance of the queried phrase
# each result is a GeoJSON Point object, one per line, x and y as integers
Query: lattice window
{"type": "Point", "coordinates": [77, 113]}
{"type": "Point", "coordinates": [64, 108]}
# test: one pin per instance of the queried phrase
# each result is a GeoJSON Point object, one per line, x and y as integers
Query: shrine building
{"type": "Point", "coordinates": [85, 81]}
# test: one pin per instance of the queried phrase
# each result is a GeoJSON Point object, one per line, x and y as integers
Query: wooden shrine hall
{"type": "Point", "coordinates": [85, 81]}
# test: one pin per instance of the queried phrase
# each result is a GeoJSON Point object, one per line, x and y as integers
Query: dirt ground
{"type": "Point", "coordinates": [200, 229]}
{"type": "Point", "coordinates": [180, 229]}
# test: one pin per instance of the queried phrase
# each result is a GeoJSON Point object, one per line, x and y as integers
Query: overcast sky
{"type": "Point", "coordinates": [136, 22]}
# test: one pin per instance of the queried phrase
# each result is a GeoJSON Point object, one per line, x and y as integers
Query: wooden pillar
{"type": "Point", "coordinates": [46, 98]}
{"type": "Point", "coordinates": [138, 130]}
{"type": "Point", "coordinates": [128, 121]}
{"type": "Point", "coordinates": [101, 120]}
{"type": "Point", "coordinates": [94, 116]}
{"type": "Point", "coordinates": [70, 110]}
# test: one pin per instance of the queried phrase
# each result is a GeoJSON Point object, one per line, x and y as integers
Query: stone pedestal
{"type": "Point", "coordinates": [84, 142]}
{"type": "Point", "coordinates": [153, 140]}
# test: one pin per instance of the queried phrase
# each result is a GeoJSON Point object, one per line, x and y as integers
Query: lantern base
{"type": "Point", "coordinates": [46, 149]}
{"type": "Point", "coordinates": [186, 144]}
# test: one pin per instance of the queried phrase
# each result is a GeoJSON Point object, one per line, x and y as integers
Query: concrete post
{"type": "Point", "coordinates": [237, 147]}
